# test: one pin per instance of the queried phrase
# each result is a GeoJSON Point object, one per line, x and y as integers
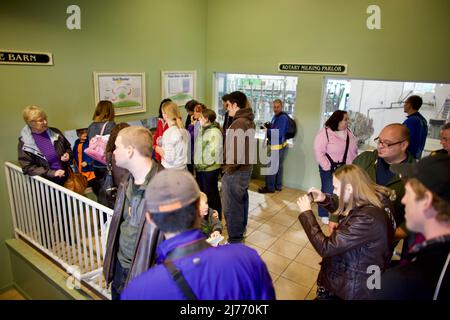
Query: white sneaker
{"type": "Point", "coordinates": [325, 220]}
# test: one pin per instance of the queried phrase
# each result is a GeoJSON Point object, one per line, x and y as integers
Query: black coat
{"type": "Point", "coordinates": [34, 163]}
{"type": "Point", "coordinates": [418, 279]}
{"type": "Point", "coordinates": [363, 238]}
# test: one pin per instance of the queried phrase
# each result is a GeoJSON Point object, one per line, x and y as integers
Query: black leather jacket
{"type": "Point", "coordinates": [148, 238]}
{"type": "Point", "coordinates": [363, 238]}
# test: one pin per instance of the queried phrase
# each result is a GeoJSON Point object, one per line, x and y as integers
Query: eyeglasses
{"type": "Point", "coordinates": [39, 120]}
{"type": "Point", "coordinates": [386, 144]}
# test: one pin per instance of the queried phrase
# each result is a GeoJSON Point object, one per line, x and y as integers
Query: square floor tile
{"type": "Point", "coordinates": [286, 289]}
{"type": "Point", "coordinates": [261, 239]}
{"type": "Point", "coordinates": [274, 276]}
{"type": "Point", "coordinates": [285, 248]}
{"type": "Point", "coordinates": [296, 236]}
{"type": "Point", "coordinates": [275, 263]}
{"type": "Point", "coordinates": [273, 229]}
{"type": "Point", "coordinates": [301, 274]}
{"type": "Point", "coordinates": [283, 219]}
{"type": "Point", "coordinates": [312, 293]}
{"type": "Point", "coordinates": [310, 258]}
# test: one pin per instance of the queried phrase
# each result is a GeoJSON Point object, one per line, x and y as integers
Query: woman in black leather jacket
{"type": "Point", "coordinates": [359, 245]}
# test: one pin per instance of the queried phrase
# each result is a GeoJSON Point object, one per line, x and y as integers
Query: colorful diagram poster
{"type": "Point", "coordinates": [179, 86]}
{"type": "Point", "coordinates": [125, 90]}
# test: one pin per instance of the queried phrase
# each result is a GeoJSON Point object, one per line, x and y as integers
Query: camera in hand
{"type": "Point", "coordinates": [266, 125]}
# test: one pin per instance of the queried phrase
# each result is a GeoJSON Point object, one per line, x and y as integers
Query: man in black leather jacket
{"type": "Point", "coordinates": [132, 242]}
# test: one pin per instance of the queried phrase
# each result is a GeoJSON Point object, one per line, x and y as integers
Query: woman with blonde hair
{"type": "Point", "coordinates": [103, 123]}
{"type": "Point", "coordinates": [43, 150]}
{"type": "Point", "coordinates": [175, 140]}
{"type": "Point", "coordinates": [359, 242]}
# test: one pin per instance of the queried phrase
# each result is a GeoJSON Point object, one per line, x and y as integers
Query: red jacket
{"type": "Point", "coordinates": [160, 128]}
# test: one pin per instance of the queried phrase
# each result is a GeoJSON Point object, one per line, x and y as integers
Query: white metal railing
{"type": "Point", "coordinates": [70, 228]}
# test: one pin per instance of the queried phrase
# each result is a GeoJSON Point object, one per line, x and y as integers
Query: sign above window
{"type": "Point", "coordinates": [313, 68]}
{"type": "Point", "coordinates": [26, 58]}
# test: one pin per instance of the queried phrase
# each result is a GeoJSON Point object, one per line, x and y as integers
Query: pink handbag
{"type": "Point", "coordinates": [97, 146]}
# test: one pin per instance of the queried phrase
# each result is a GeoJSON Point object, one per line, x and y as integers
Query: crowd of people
{"type": "Point", "coordinates": [168, 201]}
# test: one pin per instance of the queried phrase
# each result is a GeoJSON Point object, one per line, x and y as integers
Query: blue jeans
{"type": "Point", "coordinates": [235, 203]}
{"type": "Point", "coordinates": [326, 178]}
{"type": "Point", "coordinates": [207, 182]}
{"type": "Point", "coordinates": [275, 181]}
{"type": "Point", "coordinates": [118, 283]}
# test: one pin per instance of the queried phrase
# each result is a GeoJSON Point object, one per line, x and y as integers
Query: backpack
{"type": "Point", "coordinates": [292, 127]}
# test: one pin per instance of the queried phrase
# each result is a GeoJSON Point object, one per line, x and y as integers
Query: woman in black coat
{"type": "Point", "coordinates": [42, 150]}
{"type": "Point", "coordinates": [359, 244]}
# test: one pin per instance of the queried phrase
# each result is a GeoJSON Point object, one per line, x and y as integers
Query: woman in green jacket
{"type": "Point", "coordinates": [207, 158]}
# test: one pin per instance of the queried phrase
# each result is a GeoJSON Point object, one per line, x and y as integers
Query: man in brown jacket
{"type": "Point", "coordinates": [132, 242]}
{"type": "Point", "coordinates": [239, 155]}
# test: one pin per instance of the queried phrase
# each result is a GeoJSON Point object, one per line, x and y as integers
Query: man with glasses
{"type": "Point", "coordinates": [392, 148]}
{"type": "Point", "coordinates": [445, 140]}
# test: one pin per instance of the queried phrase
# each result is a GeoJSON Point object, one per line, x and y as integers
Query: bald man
{"type": "Point", "coordinates": [392, 148]}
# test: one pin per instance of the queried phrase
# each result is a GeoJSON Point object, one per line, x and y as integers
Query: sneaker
{"type": "Point", "coordinates": [278, 189]}
{"type": "Point", "coordinates": [265, 190]}
{"type": "Point", "coordinates": [325, 220]}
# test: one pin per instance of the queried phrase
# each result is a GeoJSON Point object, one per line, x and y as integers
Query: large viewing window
{"type": "Point", "coordinates": [261, 90]}
{"type": "Point", "coordinates": [372, 104]}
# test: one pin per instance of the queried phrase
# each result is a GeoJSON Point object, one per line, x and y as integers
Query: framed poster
{"type": "Point", "coordinates": [125, 90]}
{"type": "Point", "coordinates": [179, 86]}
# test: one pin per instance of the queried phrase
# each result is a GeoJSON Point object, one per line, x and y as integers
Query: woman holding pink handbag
{"type": "Point", "coordinates": [103, 124]}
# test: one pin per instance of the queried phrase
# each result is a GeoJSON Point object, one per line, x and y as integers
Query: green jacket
{"type": "Point", "coordinates": [368, 162]}
{"type": "Point", "coordinates": [208, 148]}
{"type": "Point", "coordinates": [211, 223]}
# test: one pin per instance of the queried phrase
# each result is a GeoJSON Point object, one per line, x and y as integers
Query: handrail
{"type": "Point", "coordinates": [68, 227]}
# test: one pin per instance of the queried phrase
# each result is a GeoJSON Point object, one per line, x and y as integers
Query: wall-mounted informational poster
{"type": "Point", "coordinates": [179, 86]}
{"type": "Point", "coordinates": [125, 90]}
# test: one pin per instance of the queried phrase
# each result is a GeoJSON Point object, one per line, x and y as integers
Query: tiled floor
{"type": "Point", "coordinates": [275, 232]}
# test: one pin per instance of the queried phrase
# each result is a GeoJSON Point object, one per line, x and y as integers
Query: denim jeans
{"type": "Point", "coordinates": [235, 203]}
{"type": "Point", "coordinates": [118, 283]}
{"type": "Point", "coordinates": [207, 182]}
{"type": "Point", "coordinates": [326, 178]}
{"type": "Point", "coordinates": [275, 181]}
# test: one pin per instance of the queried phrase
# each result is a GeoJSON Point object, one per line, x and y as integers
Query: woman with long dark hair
{"type": "Point", "coordinates": [334, 144]}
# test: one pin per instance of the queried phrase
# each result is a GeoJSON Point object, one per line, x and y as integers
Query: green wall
{"type": "Point", "coordinates": [116, 36]}
{"type": "Point", "coordinates": [250, 36]}
{"type": "Point", "coordinates": [253, 36]}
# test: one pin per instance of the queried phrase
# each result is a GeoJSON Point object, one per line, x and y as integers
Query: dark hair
{"type": "Point", "coordinates": [225, 97]}
{"type": "Point", "coordinates": [210, 115]}
{"type": "Point", "coordinates": [336, 117]}
{"type": "Point", "coordinates": [190, 105]}
{"type": "Point", "coordinates": [110, 146]}
{"type": "Point", "coordinates": [446, 126]}
{"type": "Point", "coordinates": [160, 106]}
{"type": "Point", "coordinates": [278, 101]}
{"type": "Point", "coordinates": [239, 98]}
{"type": "Point", "coordinates": [415, 101]}
{"type": "Point", "coordinates": [104, 111]}
{"type": "Point", "coordinates": [200, 107]}
{"type": "Point", "coordinates": [80, 131]}
{"type": "Point", "coordinates": [179, 220]}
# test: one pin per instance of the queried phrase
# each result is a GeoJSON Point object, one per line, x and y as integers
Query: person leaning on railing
{"type": "Point", "coordinates": [42, 150]}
